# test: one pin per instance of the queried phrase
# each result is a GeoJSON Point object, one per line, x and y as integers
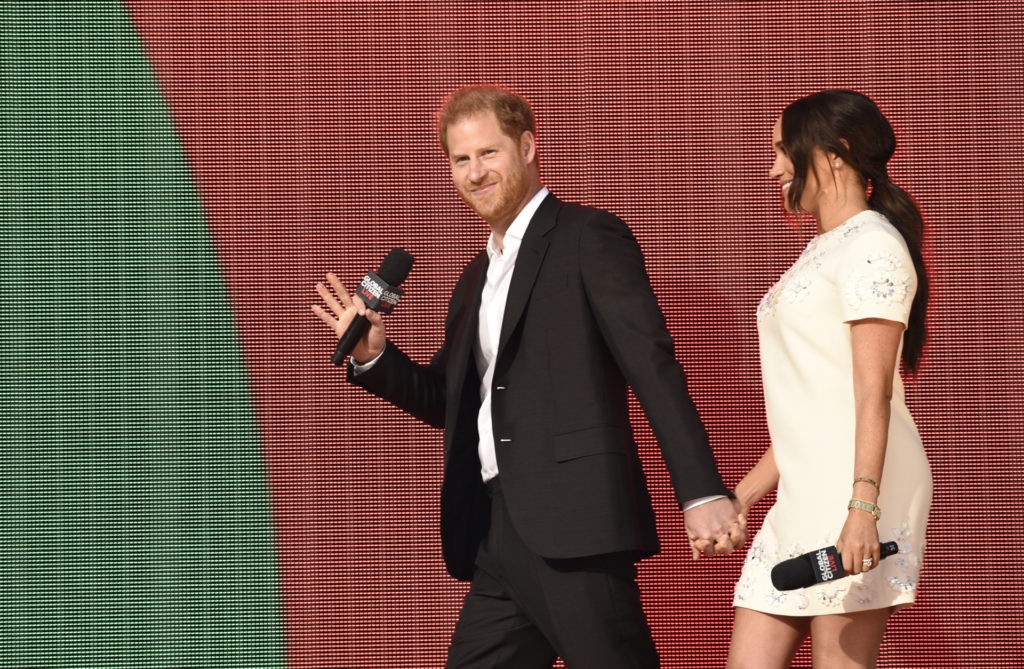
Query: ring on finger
{"type": "Point", "coordinates": [867, 562]}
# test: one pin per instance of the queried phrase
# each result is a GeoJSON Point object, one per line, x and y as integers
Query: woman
{"type": "Point", "coordinates": [845, 455]}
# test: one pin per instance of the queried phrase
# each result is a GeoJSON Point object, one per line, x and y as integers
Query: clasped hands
{"type": "Point", "coordinates": [717, 527]}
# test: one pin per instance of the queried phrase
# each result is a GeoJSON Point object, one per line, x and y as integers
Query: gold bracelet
{"type": "Point", "coordinates": [865, 479]}
{"type": "Point", "coordinates": [865, 506]}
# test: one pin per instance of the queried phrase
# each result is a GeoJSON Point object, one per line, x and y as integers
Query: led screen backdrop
{"type": "Point", "coordinates": [188, 482]}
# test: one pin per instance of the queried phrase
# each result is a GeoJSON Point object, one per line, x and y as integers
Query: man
{"type": "Point", "coordinates": [544, 504]}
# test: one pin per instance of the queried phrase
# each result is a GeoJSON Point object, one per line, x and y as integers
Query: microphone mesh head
{"type": "Point", "coordinates": [792, 574]}
{"type": "Point", "coordinates": [396, 266]}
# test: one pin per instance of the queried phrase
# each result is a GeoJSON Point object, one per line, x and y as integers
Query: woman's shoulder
{"type": "Point", "coordinates": [875, 222]}
{"type": "Point", "coordinates": [872, 244]}
{"type": "Point", "coordinates": [872, 228]}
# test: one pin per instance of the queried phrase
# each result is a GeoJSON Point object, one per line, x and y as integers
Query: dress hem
{"type": "Point", "coordinates": [895, 605]}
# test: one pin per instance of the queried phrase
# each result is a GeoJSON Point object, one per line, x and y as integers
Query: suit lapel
{"type": "Point", "coordinates": [531, 256]}
{"type": "Point", "coordinates": [460, 347]}
{"type": "Point", "coordinates": [461, 351]}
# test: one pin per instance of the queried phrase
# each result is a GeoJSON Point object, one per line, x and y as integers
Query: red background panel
{"type": "Point", "coordinates": [309, 128]}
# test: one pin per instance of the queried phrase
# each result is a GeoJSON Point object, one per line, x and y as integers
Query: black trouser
{"type": "Point", "coordinates": [523, 611]}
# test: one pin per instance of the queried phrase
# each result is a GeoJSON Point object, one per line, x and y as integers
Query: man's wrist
{"type": "Point", "coordinates": [694, 503]}
{"type": "Point", "coordinates": [360, 367]}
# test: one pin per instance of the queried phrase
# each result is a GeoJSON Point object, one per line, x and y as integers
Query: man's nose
{"type": "Point", "coordinates": [476, 171]}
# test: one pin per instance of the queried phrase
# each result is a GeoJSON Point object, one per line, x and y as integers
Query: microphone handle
{"type": "Point", "coordinates": [888, 548]}
{"type": "Point", "coordinates": [356, 329]}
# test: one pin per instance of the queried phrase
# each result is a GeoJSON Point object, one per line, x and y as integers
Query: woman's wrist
{"type": "Point", "coordinates": [869, 480]}
{"type": "Point", "coordinates": [866, 488]}
{"type": "Point", "coordinates": [866, 506]}
{"type": "Point", "coordinates": [747, 496]}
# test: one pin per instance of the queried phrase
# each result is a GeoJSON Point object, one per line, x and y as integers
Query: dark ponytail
{"type": "Point", "coordinates": [850, 126]}
{"type": "Point", "coordinates": [893, 202]}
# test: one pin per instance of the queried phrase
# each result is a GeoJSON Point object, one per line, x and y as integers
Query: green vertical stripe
{"type": "Point", "coordinates": [134, 521]}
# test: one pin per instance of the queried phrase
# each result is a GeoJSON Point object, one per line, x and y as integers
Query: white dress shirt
{"type": "Point", "coordinates": [492, 310]}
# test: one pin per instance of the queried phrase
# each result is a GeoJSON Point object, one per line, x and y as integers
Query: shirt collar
{"type": "Point", "coordinates": [514, 235]}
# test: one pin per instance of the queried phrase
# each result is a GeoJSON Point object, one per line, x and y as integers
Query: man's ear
{"type": "Point", "coordinates": [528, 146]}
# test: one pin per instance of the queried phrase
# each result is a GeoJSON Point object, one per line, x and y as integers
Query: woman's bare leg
{"type": "Point", "coordinates": [848, 640]}
{"type": "Point", "coordinates": [764, 641]}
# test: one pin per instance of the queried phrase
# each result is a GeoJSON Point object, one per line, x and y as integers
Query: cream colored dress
{"type": "Point", "coordinates": [861, 269]}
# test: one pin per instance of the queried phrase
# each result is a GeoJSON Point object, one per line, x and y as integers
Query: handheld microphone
{"type": "Point", "coordinates": [824, 564]}
{"type": "Point", "coordinates": [379, 291]}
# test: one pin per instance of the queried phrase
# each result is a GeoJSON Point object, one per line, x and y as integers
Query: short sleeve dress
{"type": "Point", "coordinates": [860, 269]}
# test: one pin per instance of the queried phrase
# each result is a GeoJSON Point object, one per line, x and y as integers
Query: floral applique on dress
{"type": "Point", "coordinates": [882, 280]}
{"type": "Point", "coordinates": [907, 560]}
{"type": "Point", "coordinates": [795, 285]}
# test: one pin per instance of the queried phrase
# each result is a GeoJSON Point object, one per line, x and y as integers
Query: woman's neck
{"type": "Point", "coordinates": [840, 206]}
{"type": "Point", "coordinates": [834, 217]}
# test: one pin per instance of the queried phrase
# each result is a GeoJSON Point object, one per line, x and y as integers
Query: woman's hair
{"type": "Point", "coordinates": [850, 126]}
{"type": "Point", "coordinates": [512, 111]}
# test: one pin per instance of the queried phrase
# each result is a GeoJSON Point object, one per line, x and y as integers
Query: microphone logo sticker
{"type": "Point", "coordinates": [370, 287]}
{"type": "Point", "coordinates": [827, 565]}
{"type": "Point", "coordinates": [378, 294]}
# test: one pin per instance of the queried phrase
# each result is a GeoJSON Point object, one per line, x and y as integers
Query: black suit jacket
{"type": "Point", "coordinates": [581, 325]}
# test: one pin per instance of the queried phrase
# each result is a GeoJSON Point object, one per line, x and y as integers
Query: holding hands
{"type": "Point", "coordinates": [716, 527]}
